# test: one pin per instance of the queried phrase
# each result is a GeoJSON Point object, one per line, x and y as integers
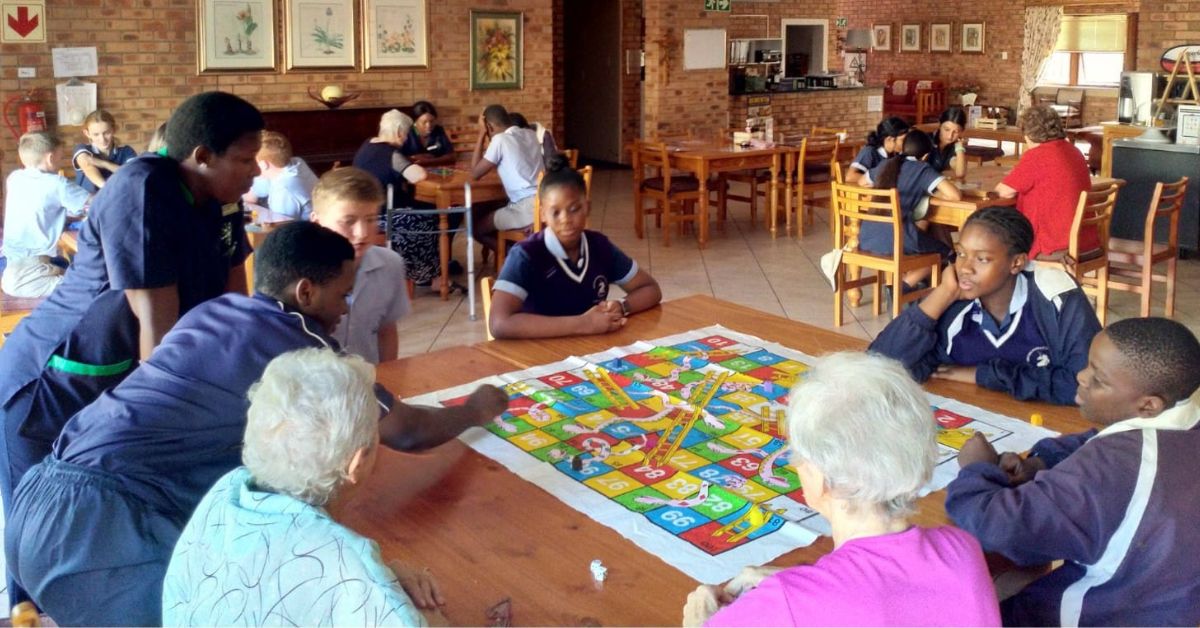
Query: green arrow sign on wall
{"type": "Point", "coordinates": [718, 5]}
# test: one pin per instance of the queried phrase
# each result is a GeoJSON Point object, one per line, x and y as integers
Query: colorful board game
{"type": "Point", "coordinates": [680, 444]}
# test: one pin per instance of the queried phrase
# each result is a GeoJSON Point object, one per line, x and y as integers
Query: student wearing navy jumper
{"type": "Point", "coordinates": [949, 150]}
{"type": "Point", "coordinates": [556, 282]}
{"type": "Point", "coordinates": [886, 140]}
{"type": "Point", "coordinates": [127, 286]}
{"type": "Point", "coordinates": [97, 160]}
{"type": "Point", "coordinates": [994, 323]}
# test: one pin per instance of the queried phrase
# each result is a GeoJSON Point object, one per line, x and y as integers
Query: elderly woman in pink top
{"type": "Point", "coordinates": [863, 442]}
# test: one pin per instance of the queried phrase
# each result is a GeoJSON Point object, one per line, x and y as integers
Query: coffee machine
{"type": "Point", "coordinates": [1135, 103]}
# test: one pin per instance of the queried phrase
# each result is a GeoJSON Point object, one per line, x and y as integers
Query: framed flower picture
{"type": "Point", "coordinates": [497, 55]}
{"type": "Point", "coordinates": [972, 37]}
{"type": "Point", "coordinates": [235, 35]}
{"type": "Point", "coordinates": [395, 34]}
{"type": "Point", "coordinates": [910, 38]}
{"type": "Point", "coordinates": [881, 37]}
{"type": "Point", "coordinates": [319, 34]}
{"type": "Point", "coordinates": [939, 38]}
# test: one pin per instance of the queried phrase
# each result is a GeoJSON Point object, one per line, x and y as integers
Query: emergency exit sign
{"type": "Point", "coordinates": [718, 5]}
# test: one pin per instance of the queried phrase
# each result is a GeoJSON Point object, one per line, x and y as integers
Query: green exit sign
{"type": "Point", "coordinates": [718, 5]}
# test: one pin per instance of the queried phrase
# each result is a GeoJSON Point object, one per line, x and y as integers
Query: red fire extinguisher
{"type": "Point", "coordinates": [31, 116]}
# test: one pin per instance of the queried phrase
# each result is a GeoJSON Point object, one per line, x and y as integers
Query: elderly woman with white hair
{"type": "Point", "coordinates": [265, 546]}
{"type": "Point", "coordinates": [862, 437]}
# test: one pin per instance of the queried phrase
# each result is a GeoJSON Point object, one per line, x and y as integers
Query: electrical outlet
{"type": "Point", "coordinates": [26, 72]}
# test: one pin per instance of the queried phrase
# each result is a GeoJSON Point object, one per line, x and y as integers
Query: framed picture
{"type": "Point", "coordinates": [235, 36]}
{"type": "Point", "coordinates": [395, 34]}
{"type": "Point", "coordinates": [939, 38]}
{"type": "Point", "coordinates": [972, 37]}
{"type": "Point", "coordinates": [496, 49]}
{"type": "Point", "coordinates": [881, 37]}
{"type": "Point", "coordinates": [910, 38]}
{"type": "Point", "coordinates": [319, 34]}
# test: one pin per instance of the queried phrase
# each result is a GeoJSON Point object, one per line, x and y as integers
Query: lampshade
{"type": "Point", "coordinates": [858, 39]}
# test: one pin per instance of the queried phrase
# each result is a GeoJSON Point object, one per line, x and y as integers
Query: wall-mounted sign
{"type": "Point", "coordinates": [718, 5]}
{"type": "Point", "coordinates": [25, 22]}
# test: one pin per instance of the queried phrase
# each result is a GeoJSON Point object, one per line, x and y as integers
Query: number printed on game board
{"type": "Point", "coordinates": [716, 504]}
{"type": "Point", "coordinates": [751, 492]}
{"type": "Point", "coordinates": [615, 484]}
{"type": "Point", "coordinates": [682, 486]}
{"type": "Point", "coordinates": [650, 473]}
{"type": "Point", "coordinates": [678, 519]}
{"type": "Point", "coordinates": [533, 440]}
{"type": "Point", "coordinates": [744, 463]}
{"type": "Point", "coordinates": [748, 439]}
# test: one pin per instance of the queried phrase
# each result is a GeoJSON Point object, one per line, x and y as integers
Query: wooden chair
{"type": "Point", "coordinates": [852, 206]}
{"type": "Point", "coordinates": [12, 310]}
{"type": "Point", "coordinates": [572, 155]}
{"type": "Point", "coordinates": [674, 196]}
{"type": "Point", "coordinates": [1090, 267]}
{"type": "Point", "coordinates": [586, 173]}
{"type": "Point", "coordinates": [827, 130]}
{"type": "Point", "coordinates": [814, 171]}
{"type": "Point", "coordinates": [485, 290]}
{"type": "Point", "coordinates": [1134, 259]}
{"type": "Point", "coordinates": [463, 140]}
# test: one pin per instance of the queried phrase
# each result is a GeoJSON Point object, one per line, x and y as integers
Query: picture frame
{"type": "Point", "coordinates": [881, 37]}
{"type": "Point", "coordinates": [973, 37]}
{"type": "Point", "coordinates": [319, 34]}
{"type": "Point", "coordinates": [497, 50]}
{"type": "Point", "coordinates": [910, 38]}
{"type": "Point", "coordinates": [235, 36]}
{"type": "Point", "coordinates": [939, 37]}
{"type": "Point", "coordinates": [395, 34]}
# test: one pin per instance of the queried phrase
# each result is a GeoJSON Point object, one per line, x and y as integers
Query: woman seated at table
{"type": "Point", "coordinates": [1047, 182]}
{"type": "Point", "coordinates": [411, 235]}
{"type": "Point", "coordinates": [265, 544]}
{"type": "Point", "coordinates": [556, 282]}
{"type": "Point", "coordinates": [863, 441]}
{"type": "Point", "coordinates": [886, 140]}
{"type": "Point", "coordinates": [427, 143]}
{"type": "Point", "coordinates": [994, 322]}
{"type": "Point", "coordinates": [950, 150]}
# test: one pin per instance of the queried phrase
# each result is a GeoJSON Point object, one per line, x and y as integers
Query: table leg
{"type": "Point", "coordinates": [702, 237]}
{"type": "Point", "coordinates": [854, 295]}
{"type": "Point", "coordinates": [787, 202]}
{"type": "Point", "coordinates": [443, 202]}
{"type": "Point", "coordinates": [774, 189]}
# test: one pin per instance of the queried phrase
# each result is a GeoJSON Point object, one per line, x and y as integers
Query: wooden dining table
{"type": "Point", "coordinates": [487, 535]}
{"type": "Point", "coordinates": [976, 190]}
{"type": "Point", "coordinates": [445, 188]}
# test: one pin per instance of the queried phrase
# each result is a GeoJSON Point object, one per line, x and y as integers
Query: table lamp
{"type": "Point", "coordinates": [858, 42]}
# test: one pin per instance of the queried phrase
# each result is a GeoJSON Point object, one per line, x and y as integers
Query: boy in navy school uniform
{"type": "Point", "coordinates": [159, 240]}
{"type": "Point", "coordinates": [129, 469]}
{"type": "Point", "coordinates": [555, 283]}
{"type": "Point", "coordinates": [1118, 506]}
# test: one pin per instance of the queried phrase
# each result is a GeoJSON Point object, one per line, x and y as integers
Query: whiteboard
{"type": "Point", "coordinates": [703, 48]}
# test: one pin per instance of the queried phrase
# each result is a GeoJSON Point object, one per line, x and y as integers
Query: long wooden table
{"type": "Point", "coordinates": [979, 182]}
{"type": "Point", "coordinates": [446, 190]}
{"type": "Point", "coordinates": [704, 158]}
{"type": "Point", "coordinates": [487, 534]}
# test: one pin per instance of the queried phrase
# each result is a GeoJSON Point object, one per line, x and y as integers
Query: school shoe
{"type": "Point", "coordinates": [455, 267]}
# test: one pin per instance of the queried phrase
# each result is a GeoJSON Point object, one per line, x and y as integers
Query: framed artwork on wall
{"type": "Point", "coordinates": [235, 36]}
{"type": "Point", "coordinates": [395, 34]}
{"type": "Point", "coordinates": [910, 38]}
{"type": "Point", "coordinates": [496, 49]}
{"type": "Point", "coordinates": [939, 37]}
{"type": "Point", "coordinates": [319, 34]}
{"type": "Point", "coordinates": [881, 37]}
{"type": "Point", "coordinates": [972, 37]}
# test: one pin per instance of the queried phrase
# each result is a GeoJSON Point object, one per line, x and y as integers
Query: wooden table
{"type": "Point", "coordinates": [981, 180]}
{"type": "Point", "coordinates": [488, 534]}
{"type": "Point", "coordinates": [446, 190]}
{"type": "Point", "coordinates": [703, 158]}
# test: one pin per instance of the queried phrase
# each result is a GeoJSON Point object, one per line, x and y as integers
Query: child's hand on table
{"type": "Point", "coordinates": [977, 449]}
{"type": "Point", "coordinates": [602, 318]}
{"type": "Point", "coordinates": [964, 374]}
{"type": "Point", "coordinates": [489, 401]}
{"type": "Point", "coordinates": [1020, 470]}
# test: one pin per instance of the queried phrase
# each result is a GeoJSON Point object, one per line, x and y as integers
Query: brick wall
{"type": "Point", "coordinates": [799, 112]}
{"type": "Point", "coordinates": [147, 51]}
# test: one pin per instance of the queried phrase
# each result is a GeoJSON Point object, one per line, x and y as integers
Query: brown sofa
{"type": "Point", "coordinates": [917, 100]}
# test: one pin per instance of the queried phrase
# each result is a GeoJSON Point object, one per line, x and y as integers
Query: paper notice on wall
{"type": "Point", "coordinates": [69, 62]}
{"type": "Point", "coordinates": [875, 103]}
{"type": "Point", "coordinates": [75, 100]}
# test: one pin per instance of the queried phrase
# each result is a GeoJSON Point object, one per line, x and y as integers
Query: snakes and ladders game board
{"type": "Point", "coordinates": [679, 444]}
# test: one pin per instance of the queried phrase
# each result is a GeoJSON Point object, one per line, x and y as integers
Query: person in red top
{"type": "Point", "coordinates": [1047, 182]}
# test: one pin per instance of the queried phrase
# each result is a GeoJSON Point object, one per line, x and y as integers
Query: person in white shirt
{"type": "Point", "coordinates": [516, 155]}
{"type": "Point", "coordinates": [37, 202]}
{"type": "Point", "coordinates": [286, 181]}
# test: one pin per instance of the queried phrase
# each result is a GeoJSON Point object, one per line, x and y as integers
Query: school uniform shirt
{"type": "Point", "coordinates": [309, 570]}
{"type": "Point", "coordinates": [916, 181]}
{"type": "Point", "coordinates": [438, 143]}
{"type": "Point", "coordinates": [518, 158]}
{"type": "Point", "coordinates": [380, 298]}
{"type": "Point", "coordinates": [387, 164]}
{"type": "Point", "coordinates": [36, 206]}
{"type": "Point", "coordinates": [290, 192]}
{"type": "Point", "coordinates": [540, 274]}
{"type": "Point", "coordinates": [868, 158]}
{"type": "Point", "coordinates": [118, 155]}
{"type": "Point", "coordinates": [1118, 506]}
{"type": "Point", "coordinates": [918, 577]}
{"type": "Point", "coordinates": [1048, 180]}
{"type": "Point", "coordinates": [1034, 353]}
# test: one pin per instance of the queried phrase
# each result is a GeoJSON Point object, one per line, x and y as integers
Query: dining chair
{"type": "Point", "coordinates": [12, 310]}
{"type": "Point", "coordinates": [674, 196]}
{"type": "Point", "coordinates": [853, 205]}
{"type": "Point", "coordinates": [572, 155]}
{"type": "Point", "coordinates": [828, 130]}
{"type": "Point", "coordinates": [1090, 267]}
{"type": "Point", "coordinates": [1135, 259]}
{"type": "Point", "coordinates": [814, 171]}
{"type": "Point", "coordinates": [485, 291]}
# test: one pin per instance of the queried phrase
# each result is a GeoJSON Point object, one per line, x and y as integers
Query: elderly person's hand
{"type": "Point", "coordinates": [488, 402]}
{"type": "Point", "coordinates": [703, 603]}
{"type": "Point", "coordinates": [419, 584]}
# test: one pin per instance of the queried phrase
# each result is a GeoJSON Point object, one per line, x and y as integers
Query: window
{"type": "Point", "coordinates": [1090, 51]}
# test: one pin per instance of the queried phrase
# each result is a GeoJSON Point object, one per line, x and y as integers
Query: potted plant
{"type": "Point", "coordinates": [967, 93]}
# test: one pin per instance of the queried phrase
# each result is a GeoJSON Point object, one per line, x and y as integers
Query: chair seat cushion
{"type": "Point", "coordinates": [678, 184]}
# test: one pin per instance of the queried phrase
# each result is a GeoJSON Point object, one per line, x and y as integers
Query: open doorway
{"type": "Point", "coordinates": [592, 78]}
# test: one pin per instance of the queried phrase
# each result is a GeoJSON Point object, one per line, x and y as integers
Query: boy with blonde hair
{"type": "Point", "coordinates": [286, 181]}
{"type": "Point", "coordinates": [37, 202]}
{"type": "Point", "coordinates": [347, 201]}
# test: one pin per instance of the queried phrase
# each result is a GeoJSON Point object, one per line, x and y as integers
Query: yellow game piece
{"type": "Point", "coordinates": [1035, 420]}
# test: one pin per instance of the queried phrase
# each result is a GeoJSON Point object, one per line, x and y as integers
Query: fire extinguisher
{"type": "Point", "coordinates": [31, 116]}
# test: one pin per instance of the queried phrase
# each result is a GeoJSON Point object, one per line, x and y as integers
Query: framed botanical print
{"type": "Point", "coordinates": [395, 34]}
{"type": "Point", "coordinates": [881, 37]}
{"type": "Point", "coordinates": [910, 38]}
{"type": "Point", "coordinates": [972, 37]}
{"type": "Point", "coordinates": [939, 37]}
{"type": "Point", "coordinates": [235, 36]}
{"type": "Point", "coordinates": [319, 34]}
{"type": "Point", "coordinates": [497, 55]}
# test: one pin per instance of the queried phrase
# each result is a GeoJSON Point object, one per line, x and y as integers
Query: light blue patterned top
{"type": "Point", "coordinates": [252, 558]}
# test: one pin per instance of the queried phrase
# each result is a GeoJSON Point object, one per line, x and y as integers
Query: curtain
{"type": "Point", "coordinates": [1041, 32]}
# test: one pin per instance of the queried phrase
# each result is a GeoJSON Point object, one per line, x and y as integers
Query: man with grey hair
{"type": "Point", "coordinates": [312, 432]}
{"type": "Point", "coordinates": [863, 442]}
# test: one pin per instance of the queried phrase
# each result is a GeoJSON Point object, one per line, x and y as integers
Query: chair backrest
{"type": "Point", "coordinates": [572, 155]}
{"type": "Point", "coordinates": [826, 130]}
{"type": "Point", "coordinates": [1166, 204]}
{"type": "Point", "coordinates": [1073, 97]}
{"type": "Point", "coordinates": [653, 155]}
{"type": "Point", "coordinates": [1094, 212]}
{"type": "Point", "coordinates": [463, 139]}
{"type": "Point", "coordinates": [485, 291]}
{"type": "Point", "coordinates": [585, 172]}
{"type": "Point", "coordinates": [854, 204]}
{"type": "Point", "coordinates": [819, 149]}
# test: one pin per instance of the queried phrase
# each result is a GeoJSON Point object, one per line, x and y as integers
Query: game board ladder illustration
{"type": "Point", "coordinates": [616, 395]}
{"type": "Point", "coordinates": [673, 436]}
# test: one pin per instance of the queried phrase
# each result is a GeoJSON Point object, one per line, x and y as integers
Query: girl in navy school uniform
{"type": "Point", "coordinates": [97, 160]}
{"type": "Point", "coordinates": [994, 320]}
{"type": "Point", "coordinates": [949, 149]}
{"type": "Point", "coordinates": [556, 282]}
{"type": "Point", "coordinates": [886, 140]}
{"type": "Point", "coordinates": [916, 181]}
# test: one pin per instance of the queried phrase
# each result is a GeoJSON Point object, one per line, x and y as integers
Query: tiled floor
{"type": "Point", "coordinates": [743, 263]}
